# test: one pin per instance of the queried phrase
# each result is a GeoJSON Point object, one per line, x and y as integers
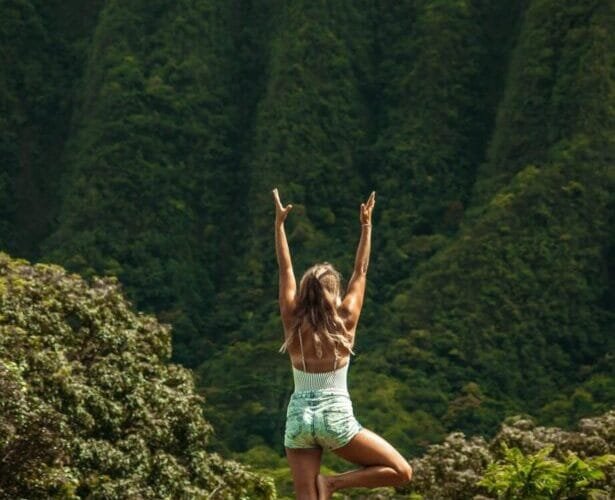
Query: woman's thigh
{"type": "Point", "coordinates": [368, 448]}
{"type": "Point", "coordinates": [305, 466]}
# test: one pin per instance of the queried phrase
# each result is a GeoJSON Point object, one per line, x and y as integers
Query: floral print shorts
{"type": "Point", "coordinates": [320, 419]}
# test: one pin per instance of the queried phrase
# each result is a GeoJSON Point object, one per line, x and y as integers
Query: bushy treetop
{"type": "Point", "coordinates": [88, 405]}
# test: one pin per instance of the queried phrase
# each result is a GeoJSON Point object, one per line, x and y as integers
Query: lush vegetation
{"type": "Point", "coordinates": [522, 461]}
{"type": "Point", "coordinates": [141, 140]}
{"type": "Point", "coordinates": [541, 477]}
{"type": "Point", "coordinates": [89, 406]}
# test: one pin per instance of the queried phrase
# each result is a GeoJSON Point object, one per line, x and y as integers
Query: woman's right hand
{"type": "Point", "coordinates": [365, 214]}
{"type": "Point", "coordinates": [280, 211]}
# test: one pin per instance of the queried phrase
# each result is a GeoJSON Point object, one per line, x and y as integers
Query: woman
{"type": "Point", "coordinates": [319, 333]}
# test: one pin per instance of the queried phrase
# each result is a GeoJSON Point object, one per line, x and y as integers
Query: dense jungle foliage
{"type": "Point", "coordinates": [141, 140]}
{"type": "Point", "coordinates": [89, 408]}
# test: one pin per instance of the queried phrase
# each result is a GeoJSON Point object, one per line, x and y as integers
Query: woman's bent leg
{"type": "Point", "coordinates": [304, 465]}
{"type": "Point", "coordinates": [382, 465]}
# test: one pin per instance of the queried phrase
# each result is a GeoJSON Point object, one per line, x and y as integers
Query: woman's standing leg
{"type": "Point", "coordinates": [305, 466]}
{"type": "Point", "coordinates": [382, 465]}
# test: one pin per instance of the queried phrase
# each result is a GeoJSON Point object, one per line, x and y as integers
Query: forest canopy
{"type": "Point", "coordinates": [140, 141]}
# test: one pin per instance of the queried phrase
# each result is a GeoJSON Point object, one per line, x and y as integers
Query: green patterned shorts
{"type": "Point", "coordinates": [320, 419]}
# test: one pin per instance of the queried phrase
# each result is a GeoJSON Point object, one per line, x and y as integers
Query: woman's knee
{"type": "Point", "coordinates": [404, 472]}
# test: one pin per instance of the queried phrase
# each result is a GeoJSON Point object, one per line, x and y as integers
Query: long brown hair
{"type": "Point", "coordinates": [319, 297]}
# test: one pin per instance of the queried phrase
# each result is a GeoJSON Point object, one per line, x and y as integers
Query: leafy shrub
{"type": "Point", "coordinates": [538, 476]}
{"type": "Point", "coordinates": [522, 459]}
{"type": "Point", "coordinates": [88, 406]}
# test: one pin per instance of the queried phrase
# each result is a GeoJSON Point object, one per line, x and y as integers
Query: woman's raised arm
{"type": "Point", "coordinates": [287, 284]}
{"type": "Point", "coordinates": [353, 300]}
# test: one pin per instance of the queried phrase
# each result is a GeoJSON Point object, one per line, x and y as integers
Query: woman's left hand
{"type": "Point", "coordinates": [280, 211]}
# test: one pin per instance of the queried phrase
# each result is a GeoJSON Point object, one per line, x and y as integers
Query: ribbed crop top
{"type": "Point", "coordinates": [308, 381]}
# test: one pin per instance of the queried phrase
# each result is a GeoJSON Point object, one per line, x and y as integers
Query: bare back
{"type": "Point", "coordinates": [313, 362]}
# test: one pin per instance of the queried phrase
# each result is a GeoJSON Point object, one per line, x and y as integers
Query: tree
{"type": "Point", "coordinates": [90, 406]}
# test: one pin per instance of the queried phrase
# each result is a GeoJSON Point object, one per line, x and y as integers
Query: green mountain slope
{"type": "Point", "coordinates": [151, 170]}
{"type": "Point", "coordinates": [143, 140]}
